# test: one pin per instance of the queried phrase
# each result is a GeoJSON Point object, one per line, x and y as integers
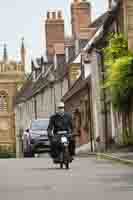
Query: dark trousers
{"type": "Point", "coordinates": [72, 147]}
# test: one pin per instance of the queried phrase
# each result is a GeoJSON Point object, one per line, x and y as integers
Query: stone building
{"type": "Point", "coordinates": [49, 81]}
{"type": "Point", "coordinates": [12, 76]}
{"type": "Point", "coordinates": [38, 97]}
{"type": "Point", "coordinates": [78, 98]}
{"type": "Point", "coordinates": [106, 124]}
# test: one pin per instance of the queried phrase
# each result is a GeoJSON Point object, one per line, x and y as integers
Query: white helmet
{"type": "Point", "coordinates": [60, 105]}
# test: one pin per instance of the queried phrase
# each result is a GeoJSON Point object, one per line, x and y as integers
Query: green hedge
{"type": "Point", "coordinates": [7, 155]}
{"type": "Point", "coordinates": [7, 151]}
{"type": "Point", "coordinates": [127, 137]}
{"type": "Point", "coordinates": [119, 73]}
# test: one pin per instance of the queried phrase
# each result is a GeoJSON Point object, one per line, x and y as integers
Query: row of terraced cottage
{"type": "Point", "coordinates": [73, 73]}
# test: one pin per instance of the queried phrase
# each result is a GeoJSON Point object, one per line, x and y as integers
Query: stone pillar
{"type": "Point", "coordinates": [98, 117]}
{"type": "Point", "coordinates": [19, 148]}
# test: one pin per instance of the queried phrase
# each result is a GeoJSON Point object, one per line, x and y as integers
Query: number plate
{"type": "Point", "coordinates": [63, 139]}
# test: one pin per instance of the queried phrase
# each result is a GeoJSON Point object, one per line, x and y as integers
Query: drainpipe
{"type": "Point", "coordinates": [90, 111]}
{"type": "Point", "coordinates": [89, 89]}
{"type": "Point", "coordinates": [35, 107]}
{"type": "Point", "coordinates": [82, 67]}
{"type": "Point", "coordinates": [54, 99]}
{"type": "Point", "coordinates": [52, 86]}
{"type": "Point", "coordinates": [61, 87]}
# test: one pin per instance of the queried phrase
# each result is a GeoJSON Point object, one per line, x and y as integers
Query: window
{"type": "Point", "coordinates": [40, 124]}
{"type": "Point", "coordinates": [3, 102]}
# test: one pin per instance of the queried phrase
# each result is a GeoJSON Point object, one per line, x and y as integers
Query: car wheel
{"type": "Point", "coordinates": [31, 154]}
{"type": "Point", "coordinates": [26, 154]}
{"type": "Point", "coordinates": [61, 165]}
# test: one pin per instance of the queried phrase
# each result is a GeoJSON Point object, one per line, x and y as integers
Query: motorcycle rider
{"type": "Point", "coordinates": [60, 121]}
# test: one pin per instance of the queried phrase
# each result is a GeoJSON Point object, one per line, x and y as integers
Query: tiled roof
{"type": "Point", "coordinates": [31, 88]}
{"type": "Point", "coordinates": [25, 91]}
{"type": "Point", "coordinates": [76, 87]}
{"type": "Point", "coordinates": [111, 16]}
{"type": "Point", "coordinates": [99, 21]}
{"type": "Point", "coordinates": [102, 31]}
{"type": "Point", "coordinates": [96, 24]}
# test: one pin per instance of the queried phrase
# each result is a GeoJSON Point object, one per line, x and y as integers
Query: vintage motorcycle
{"type": "Point", "coordinates": [64, 158]}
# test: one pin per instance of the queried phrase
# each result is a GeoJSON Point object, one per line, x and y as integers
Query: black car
{"type": "Point", "coordinates": [35, 139]}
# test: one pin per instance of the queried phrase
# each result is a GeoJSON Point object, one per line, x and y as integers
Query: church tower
{"type": "Point", "coordinates": [12, 76]}
{"type": "Point", "coordinates": [5, 55]}
{"type": "Point", "coordinates": [23, 54]}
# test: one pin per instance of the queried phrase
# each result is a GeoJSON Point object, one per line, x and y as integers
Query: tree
{"type": "Point", "coordinates": [119, 77]}
{"type": "Point", "coordinates": [119, 80]}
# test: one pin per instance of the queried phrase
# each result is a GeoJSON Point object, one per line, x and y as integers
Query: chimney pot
{"type": "Point", "coordinates": [48, 15]}
{"type": "Point", "coordinates": [109, 4]}
{"type": "Point", "coordinates": [54, 15]}
{"type": "Point", "coordinates": [76, 1]}
{"type": "Point", "coordinates": [59, 14]}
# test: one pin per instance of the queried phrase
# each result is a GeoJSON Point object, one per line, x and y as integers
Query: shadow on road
{"type": "Point", "coordinates": [47, 169]}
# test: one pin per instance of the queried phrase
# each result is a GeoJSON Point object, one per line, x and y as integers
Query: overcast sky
{"type": "Point", "coordinates": [25, 18]}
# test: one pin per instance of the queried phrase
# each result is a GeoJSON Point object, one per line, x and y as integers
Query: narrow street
{"type": "Point", "coordinates": [88, 178]}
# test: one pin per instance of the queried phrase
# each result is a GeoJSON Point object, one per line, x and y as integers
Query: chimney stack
{"type": "Point", "coordinates": [54, 27]}
{"type": "Point", "coordinates": [48, 15]}
{"type": "Point", "coordinates": [109, 4]}
{"type": "Point", "coordinates": [59, 14]}
{"type": "Point", "coordinates": [81, 16]}
{"type": "Point", "coordinates": [54, 15]}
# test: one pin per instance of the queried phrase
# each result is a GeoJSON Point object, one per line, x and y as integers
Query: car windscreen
{"type": "Point", "coordinates": [39, 125]}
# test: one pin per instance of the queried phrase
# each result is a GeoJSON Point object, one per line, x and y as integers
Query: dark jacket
{"type": "Point", "coordinates": [60, 122]}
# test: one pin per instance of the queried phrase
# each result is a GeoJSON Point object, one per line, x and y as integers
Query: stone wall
{"type": "Point", "coordinates": [46, 102]}
{"type": "Point", "coordinates": [128, 21]}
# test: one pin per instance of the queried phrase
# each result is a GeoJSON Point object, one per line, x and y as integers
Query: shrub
{"type": "Point", "coordinates": [119, 74]}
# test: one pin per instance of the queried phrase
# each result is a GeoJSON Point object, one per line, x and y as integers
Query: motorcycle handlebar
{"type": "Point", "coordinates": [70, 134]}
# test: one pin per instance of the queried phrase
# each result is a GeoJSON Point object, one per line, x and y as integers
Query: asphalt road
{"type": "Point", "coordinates": [88, 178]}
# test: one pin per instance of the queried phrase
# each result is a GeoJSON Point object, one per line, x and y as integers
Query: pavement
{"type": "Point", "coordinates": [123, 157]}
{"type": "Point", "coordinates": [84, 150]}
{"type": "Point", "coordinates": [39, 178]}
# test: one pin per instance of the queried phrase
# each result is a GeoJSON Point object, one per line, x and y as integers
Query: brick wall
{"type": "Point", "coordinates": [81, 16]}
{"type": "Point", "coordinates": [54, 28]}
